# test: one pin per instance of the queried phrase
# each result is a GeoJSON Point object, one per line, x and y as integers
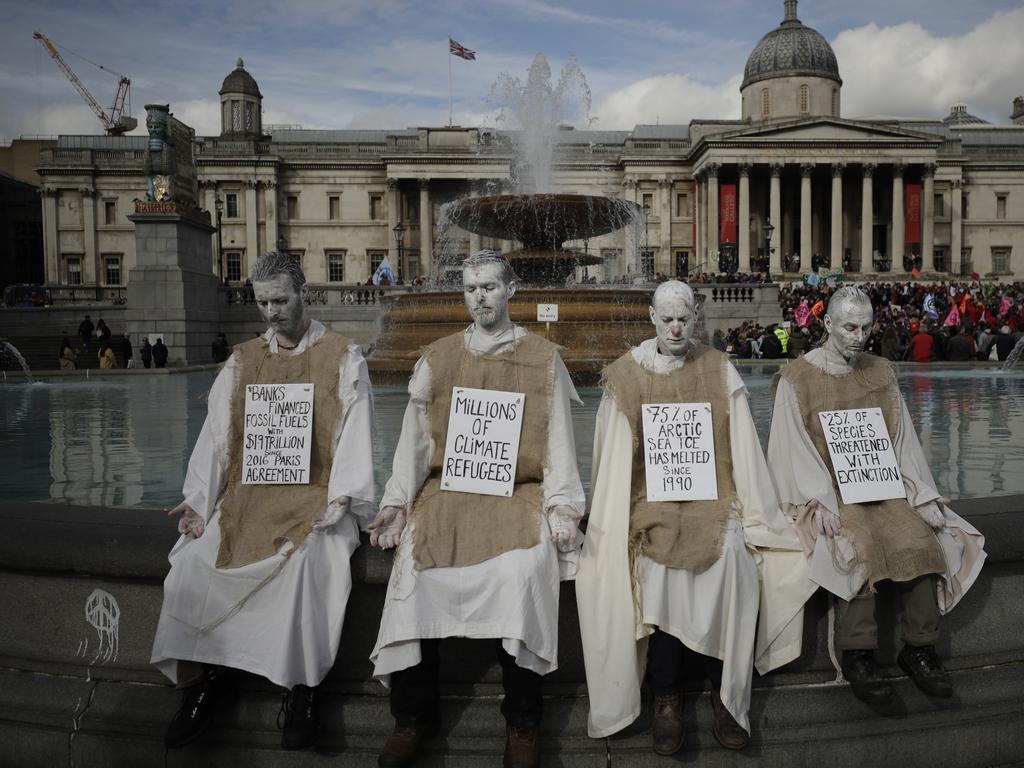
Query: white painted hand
{"type": "Point", "coordinates": [190, 523]}
{"type": "Point", "coordinates": [827, 520]}
{"type": "Point", "coordinates": [931, 513]}
{"type": "Point", "coordinates": [386, 528]}
{"type": "Point", "coordinates": [331, 514]}
{"type": "Point", "coordinates": [563, 521]}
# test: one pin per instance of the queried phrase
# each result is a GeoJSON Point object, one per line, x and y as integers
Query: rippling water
{"type": "Point", "coordinates": [124, 442]}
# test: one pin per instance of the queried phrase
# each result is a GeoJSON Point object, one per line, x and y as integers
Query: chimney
{"type": "Point", "coordinates": [1018, 110]}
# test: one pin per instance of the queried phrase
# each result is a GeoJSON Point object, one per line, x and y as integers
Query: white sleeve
{"type": "Point", "coordinates": [562, 484]}
{"type": "Point", "coordinates": [352, 470]}
{"type": "Point", "coordinates": [917, 477]}
{"type": "Point", "coordinates": [209, 460]}
{"type": "Point", "coordinates": [799, 473]}
{"type": "Point", "coordinates": [411, 464]}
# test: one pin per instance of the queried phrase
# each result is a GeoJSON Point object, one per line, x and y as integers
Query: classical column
{"type": "Point", "coordinates": [701, 246]}
{"type": "Point", "coordinates": [743, 218]}
{"type": "Point", "coordinates": [51, 240]}
{"type": "Point", "coordinates": [91, 268]}
{"type": "Point", "coordinates": [426, 233]}
{"type": "Point", "coordinates": [899, 234]}
{"type": "Point", "coordinates": [867, 218]}
{"type": "Point", "coordinates": [836, 245]}
{"type": "Point", "coordinates": [252, 231]}
{"type": "Point", "coordinates": [956, 228]}
{"type": "Point", "coordinates": [806, 246]}
{"type": "Point", "coordinates": [712, 215]}
{"type": "Point", "coordinates": [627, 262]}
{"type": "Point", "coordinates": [394, 209]}
{"type": "Point", "coordinates": [665, 228]}
{"type": "Point", "coordinates": [775, 217]}
{"type": "Point", "coordinates": [270, 205]}
{"type": "Point", "coordinates": [928, 219]}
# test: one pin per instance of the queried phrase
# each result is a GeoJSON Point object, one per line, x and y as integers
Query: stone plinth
{"type": "Point", "coordinates": [172, 291]}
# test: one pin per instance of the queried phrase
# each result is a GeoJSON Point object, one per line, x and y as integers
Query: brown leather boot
{"type": "Point", "coordinates": [667, 731]}
{"type": "Point", "coordinates": [728, 732]}
{"type": "Point", "coordinates": [403, 745]}
{"type": "Point", "coordinates": [522, 747]}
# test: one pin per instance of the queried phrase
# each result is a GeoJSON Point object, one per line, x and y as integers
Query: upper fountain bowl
{"type": "Point", "coordinates": [543, 221]}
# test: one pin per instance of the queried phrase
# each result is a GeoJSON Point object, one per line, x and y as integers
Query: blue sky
{"type": "Point", "coordinates": [383, 63]}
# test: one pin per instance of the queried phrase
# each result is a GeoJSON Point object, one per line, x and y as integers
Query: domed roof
{"type": "Point", "coordinates": [791, 50]}
{"type": "Point", "coordinates": [240, 81]}
{"type": "Point", "coordinates": [959, 115]}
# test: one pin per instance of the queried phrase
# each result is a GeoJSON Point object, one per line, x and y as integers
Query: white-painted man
{"type": "Point", "coordinates": [474, 565]}
{"type": "Point", "coordinates": [670, 584]}
{"type": "Point", "coordinates": [930, 554]}
{"type": "Point", "coordinates": [260, 578]}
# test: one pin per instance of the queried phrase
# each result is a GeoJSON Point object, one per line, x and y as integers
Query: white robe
{"type": "Point", "coordinates": [289, 629]}
{"type": "Point", "coordinates": [714, 612]}
{"type": "Point", "coordinates": [513, 596]}
{"type": "Point", "coordinates": [800, 475]}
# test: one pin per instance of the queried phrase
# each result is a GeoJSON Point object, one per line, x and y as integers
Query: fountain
{"type": "Point", "coordinates": [595, 325]}
{"type": "Point", "coordinates": [9, 351]}
{"type": "Point", "coordinates": [1014, 356]}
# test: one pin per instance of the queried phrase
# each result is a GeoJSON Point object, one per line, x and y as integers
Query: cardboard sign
{"type": "Point", "coordinates": [679, 452]}
{"type": "Point", "coordinates": [547, 313]}
{"type": "Point", "coordinates": [863, 460]}
{"type": "Point", "coordinates": [278, 434]}
{"type": "Point", "coordinates": [482, 448]}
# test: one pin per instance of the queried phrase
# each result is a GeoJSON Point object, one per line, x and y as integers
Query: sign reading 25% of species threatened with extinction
{"type": "Point", "coordinates": [679, 452]}
{"type": "Point", "coordinates": [863, 460]}
{"type": "Point", "coordinates": [278, 434]}
{"type": "Point", "coordinates": [482, 448]}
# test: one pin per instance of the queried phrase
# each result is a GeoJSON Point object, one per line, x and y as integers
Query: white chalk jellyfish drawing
{"type": "Point", "coordinates": [102, 613]}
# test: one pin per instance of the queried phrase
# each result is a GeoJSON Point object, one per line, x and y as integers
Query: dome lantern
{"type": "Point", "coordinates": [241, 105]}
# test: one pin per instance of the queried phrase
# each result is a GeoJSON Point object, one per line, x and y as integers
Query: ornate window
{"type": "Point", "coordinates": [236, 116]}
{"type": "Point", "coordinates": [766, 103]}
{"type": "Point", "coordinates": [805, 99]}
{"type": "Point", "coordinates": [250, 123]}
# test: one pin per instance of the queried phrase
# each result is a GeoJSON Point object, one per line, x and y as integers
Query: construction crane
{"type": "Point", "coordinates": [119, 120]}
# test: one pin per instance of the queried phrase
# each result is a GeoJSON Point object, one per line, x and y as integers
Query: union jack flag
{"type": "Point", "coordinates": [460, 50]}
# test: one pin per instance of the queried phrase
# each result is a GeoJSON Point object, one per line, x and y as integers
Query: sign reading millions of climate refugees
{"type": "Point", "coordinates": [482, 448]}
{"type": "Point", "coordinates": [679, 452]}
{"type": "Point", "coordinates": [862, 455]}
{"type": "Point", "coordinates": [278, 434]}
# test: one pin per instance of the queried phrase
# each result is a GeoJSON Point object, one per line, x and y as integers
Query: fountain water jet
{"type": "Point", "coordinates": [8, 351]}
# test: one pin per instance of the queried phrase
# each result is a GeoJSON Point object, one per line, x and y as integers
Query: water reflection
{"type": "Point", "coordinates": [125, 443]}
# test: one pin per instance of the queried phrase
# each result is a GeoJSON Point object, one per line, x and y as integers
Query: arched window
{"type": "Point", "coordinates": [766, 103]}
{"type": "Point", "coordinates": [805, 99]}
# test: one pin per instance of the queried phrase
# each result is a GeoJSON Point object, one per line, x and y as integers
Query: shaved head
{"type": "Point", "coordinates": [676, 290]}
{"type": "Point", "coordinates": [674, 314]}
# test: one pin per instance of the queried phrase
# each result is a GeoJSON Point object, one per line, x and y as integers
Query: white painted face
{"type": "Point", "coordinates": [673, 320]}
{"type": "Point", "coordinates": [282, 306]}
{"type": "Point", "coordinates": [849, 329]}
{"type": "Point", "coordinates": [487, 295]}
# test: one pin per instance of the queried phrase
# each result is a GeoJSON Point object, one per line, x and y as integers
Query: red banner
{"type": "Point", "coordinates": [912, 213]}
{"type": "Point", "coordinates": [727, 214]}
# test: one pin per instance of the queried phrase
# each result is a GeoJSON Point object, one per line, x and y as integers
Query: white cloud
{"type": "Point", "coordinates": [904, 70]}
{"type": "Point", "coordinates": [668, 99]}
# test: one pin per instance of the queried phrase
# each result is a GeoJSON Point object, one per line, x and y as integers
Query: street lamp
{"type": "Point", "coordinates": [218, 204]}
{"type": "Point", "coordinates": [768, 231]}
{"type": "Point", "coordinates": [399, 230]}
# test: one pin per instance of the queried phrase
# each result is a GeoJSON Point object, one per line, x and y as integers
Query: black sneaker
{"type": "Point", "coordinates": [861, 669]}
{"type": "Point", "coordinates": [300, 713]}
{"type": "Point", "coordinates": [925, 669]}
{"type": "Point", "coordinates": [198, 703]}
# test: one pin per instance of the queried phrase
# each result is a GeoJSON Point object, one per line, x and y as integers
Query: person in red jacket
{"type": "Point", "coordinates": [921, 345]}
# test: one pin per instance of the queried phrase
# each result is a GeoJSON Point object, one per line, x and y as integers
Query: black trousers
{"type": "Point", "coordinates": [414, 692]}
{"type": "Point", "coordinates": [668, 660]}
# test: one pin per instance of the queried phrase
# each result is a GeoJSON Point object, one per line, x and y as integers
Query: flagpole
{"type": "Point", "coordinates": [449, 82]}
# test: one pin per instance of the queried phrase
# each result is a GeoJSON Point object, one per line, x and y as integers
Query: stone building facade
{"type": "Point", "coordinates": [878, 198]}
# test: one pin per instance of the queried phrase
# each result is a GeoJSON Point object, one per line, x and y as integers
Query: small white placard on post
{"type": "Point", "coordinates": [278, 434]}
{"type": "Point", "coordinates": [482, 448]}
{"type": "Point", "coordinates": [679, 452]}
{"type": "Point", "coordinates": [547, 313]}
{"type": "Point", "coordinates": [862, 456]}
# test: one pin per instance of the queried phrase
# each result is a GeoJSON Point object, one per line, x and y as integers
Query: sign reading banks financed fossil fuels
{"type": "Point", "coordinates": [278, 434]}
{"type": "Point", "coordinates": [863, 460]}
{"type": "Point", "coordinates": [482, 449]}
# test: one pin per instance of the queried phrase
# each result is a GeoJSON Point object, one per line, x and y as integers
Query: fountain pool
{"type": "Point", "coordinates": [125, 443]}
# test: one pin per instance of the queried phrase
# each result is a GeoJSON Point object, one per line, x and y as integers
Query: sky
{"type": "Point", "coordinates": [384, 63]}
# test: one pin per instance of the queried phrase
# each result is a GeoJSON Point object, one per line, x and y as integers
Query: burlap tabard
{"type": "Point", "coordinates": [458, 529]}
{"type": "Point", "coordinates": [256, 519]}
{"type": "Point", "coordinates": [888, 537]}
{"type": "Point", "coordinates": [678, 534]}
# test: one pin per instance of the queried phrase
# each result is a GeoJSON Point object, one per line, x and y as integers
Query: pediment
{"type": "Point", "coordinates": [826, 130]}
